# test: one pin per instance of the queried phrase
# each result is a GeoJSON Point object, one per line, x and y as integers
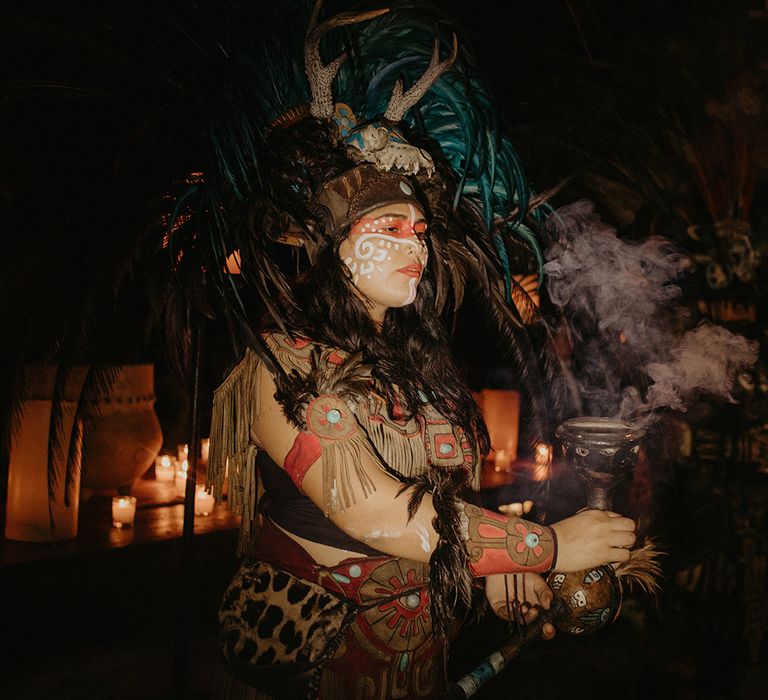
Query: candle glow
{"type": "Point", "coordinates": [204, 501]}
{"type": "Point", "coordinates": [181, 479]}
{"type": "Point", "coordinates": [123, 511]}
{"type": "Point", "coordinates": [164, 469]}
{"type": "Point", "coordinates": [502, 461]}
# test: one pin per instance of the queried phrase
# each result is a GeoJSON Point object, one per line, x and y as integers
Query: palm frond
{"type": "Point", "coordinates": [96, 386]}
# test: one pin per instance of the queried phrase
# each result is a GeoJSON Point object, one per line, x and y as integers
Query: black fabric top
{"type": "Point", "coordinates": [287, 507]}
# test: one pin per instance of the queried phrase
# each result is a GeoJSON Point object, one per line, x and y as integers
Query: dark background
{"type": "Point", "coordinates": [595, 94]}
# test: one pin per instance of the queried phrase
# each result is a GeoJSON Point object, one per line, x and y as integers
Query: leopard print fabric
{"type": "Point", "coordinates": [269, 617]}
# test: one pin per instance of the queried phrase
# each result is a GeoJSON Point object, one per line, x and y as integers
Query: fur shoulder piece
{"type": "Point", "coordinates": [317, 385]}
{"type": "Point", "coordinates": [313, 370]}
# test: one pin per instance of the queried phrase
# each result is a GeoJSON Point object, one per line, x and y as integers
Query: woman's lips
{"type": "Point", "coordinates": [412, 270]}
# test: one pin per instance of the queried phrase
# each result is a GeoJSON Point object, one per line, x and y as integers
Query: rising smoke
{"type": "Point", "coordinates": [634, 348]}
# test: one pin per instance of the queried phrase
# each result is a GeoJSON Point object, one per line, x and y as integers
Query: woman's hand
{"type": "Point", "coordinates": [532, 593]}
{"type": "Point", "coordinates": [592, 538]}
{"type": "Point", "coordinates": [518, 509]}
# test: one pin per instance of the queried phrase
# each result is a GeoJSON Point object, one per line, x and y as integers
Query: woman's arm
{"type": "Point", "coordinates": [381, 521]}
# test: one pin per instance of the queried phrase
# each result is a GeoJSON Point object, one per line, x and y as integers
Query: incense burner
{"type": "Point", "coordinates": [603, 451]}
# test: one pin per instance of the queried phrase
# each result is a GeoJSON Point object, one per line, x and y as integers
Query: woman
{"type": "Point", "coordinates": [366, 438]}
{"type": "Point", "coordinates": [353, 413]}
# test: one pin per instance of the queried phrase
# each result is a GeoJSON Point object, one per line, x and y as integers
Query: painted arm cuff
{"type": "Point", "coordinates": [500, 544]}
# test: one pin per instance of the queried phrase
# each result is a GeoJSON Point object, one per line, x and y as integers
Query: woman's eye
{"type": "Point", "coordinates": [393, 229]}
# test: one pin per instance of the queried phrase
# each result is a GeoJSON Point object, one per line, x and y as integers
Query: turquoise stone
{"type": "Point", "coordinates": [412, 601]}
{"type": "Point", "coordinates": [334, 415]}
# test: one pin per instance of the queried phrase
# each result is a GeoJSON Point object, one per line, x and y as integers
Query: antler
{"type": "Point", "coordinates": [400, 103]}
{"type": "Point", "coordinates": [320, 76]}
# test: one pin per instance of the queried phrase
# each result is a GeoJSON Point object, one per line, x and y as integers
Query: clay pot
{"type": "Point", "coordinates": [122, 443]}
{"type": "Point", "coordinates": [28, 518]}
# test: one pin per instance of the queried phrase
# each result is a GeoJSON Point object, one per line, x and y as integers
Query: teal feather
{"type": "Point", "coordinates": [522, 231]}
{"type": "Point", "coordinates": [498, 241]}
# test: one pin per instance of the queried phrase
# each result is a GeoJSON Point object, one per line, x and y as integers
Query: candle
{"type": "Point", "coordinates": [123, 511]}
{"type": "Point", "coordinates": [205, 448]}
{"type": "Point", "coordinates": [181, 478]}
{"type": "Point", "coordinates": [203, 501]}
{"type": "Point", "coordinates": [182, 452]}
{"type": "Point", "coordinates": [541, 460]}
{"type": "Point", "coordinates": [164, 469]}
{"type": "Point", "coordinates": [502, 461]}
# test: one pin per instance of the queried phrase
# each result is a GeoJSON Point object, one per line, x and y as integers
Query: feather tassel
{"type": "Point", "coordinates": [642, 570]}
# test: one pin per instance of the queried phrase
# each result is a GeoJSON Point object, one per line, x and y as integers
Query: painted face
{"type": "Point", "coordinates": [386, 252]}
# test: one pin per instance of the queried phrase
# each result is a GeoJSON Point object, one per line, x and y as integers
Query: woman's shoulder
{"type": "Point", "coordinates": [297, 351]}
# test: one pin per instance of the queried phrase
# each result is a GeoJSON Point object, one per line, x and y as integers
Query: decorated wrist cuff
{"type": "Point", "coordinates": [500, 544]}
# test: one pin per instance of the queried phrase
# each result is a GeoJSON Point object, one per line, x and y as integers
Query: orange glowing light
{"type": "Point", "coordinates": [541, 461]}
{"type": "Point", "coordinates": [501, 411]}
{"type": "Point", "coordinates": [232, 263]}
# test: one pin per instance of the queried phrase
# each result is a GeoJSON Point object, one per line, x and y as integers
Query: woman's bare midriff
{"type": "Point", "coordinates": [323, 554]}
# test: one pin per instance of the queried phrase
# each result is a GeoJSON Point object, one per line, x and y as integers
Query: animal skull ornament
{"type": "Point", "coordinates": [385, 146]}
{"type": "Point", "coordinates": [379, 142]}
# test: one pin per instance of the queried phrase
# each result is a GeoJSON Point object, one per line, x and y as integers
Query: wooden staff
{"type": "Point", "coordinates": [496, 662]}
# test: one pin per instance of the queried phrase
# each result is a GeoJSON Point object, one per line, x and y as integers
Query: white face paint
{"type": "Point", "coordinates": [386, 253]}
